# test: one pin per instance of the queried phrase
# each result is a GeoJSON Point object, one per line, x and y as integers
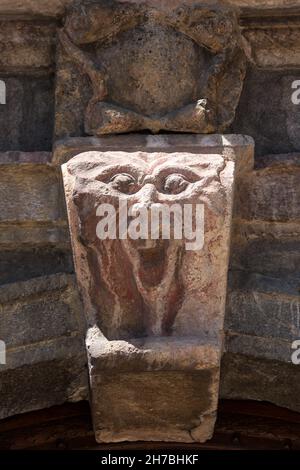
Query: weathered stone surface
{"type": "Point", "coordinates": [248, 230]}
{"type": "Point", "coordinates": [170, 372]}
{"type": "Point", "coordinates": [44, 384]}
{"type": "Point", "coordinates": [229, 144]}
{"type": "Point", "coordinates": [286, 162]}
{"type": "Point", "coordinates": [263, 311]}
{"type": "Point", "coordinates": [32, 206]}
{"type": "Point", "coordinates": [154, 67]}
{"type": "Point", "coordinates": [284, 287]}
{"type": "Point", "coordinates": [277, 258]}
{"type": "Point", "coordinates": [147, 318]}
{"type": "Point", "coordinates": [165, 418]}
{"type": "Point", "coordinates": [260, 347]}
{"type": "Point", "coordinates": [27, 316]}
{"type": "Point", "coordinates": [292, 110]}
{"type": "Point", "coordinates": [264, 314]}
{"type": "Point", "coordinates": [247, 378]}
{"type": "Point", "coordinates": [43, 328]}
{"type": "Point", "coordinates": [56, 8]}
{"type": "Point", "coordinates": [29, 158]}
{"type": "Point", "coordinates": [94, 178]}
{"type": "Point", "coordinates": [26, 120]}
{"type": "Point", "coordinates": [34, 7]}
{"type": "Point", "coordinates": [25, 262]}
{"type": "Point", "coordinates": [274, 47]}
{"type": "Point", "coordinates": [26, 45]}
{"type": "Point", "coordinates": [264, 92]}
{"type": "Point", "coordinates": [30, 193]}
{"type": "Point", "coordinates": [270, 194]}
{"type": "Point", "coordinates": [36, 236]}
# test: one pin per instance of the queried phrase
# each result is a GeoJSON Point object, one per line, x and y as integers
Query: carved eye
{"type": "Point", "coordinates": [124, 183]}
{"type": "Point", "coordinates": [175, 184]}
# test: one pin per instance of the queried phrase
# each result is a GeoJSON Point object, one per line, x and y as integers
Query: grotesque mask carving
{"type": "Point", "coordinates": [146, 283]}
{"type": "Point", "coordinates": [150, 229]}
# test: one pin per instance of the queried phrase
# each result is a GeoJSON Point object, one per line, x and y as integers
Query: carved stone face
{"type": "Point", "coordinates": [138, 284]}
{"type": "Point", "coordinates": [152, 66]}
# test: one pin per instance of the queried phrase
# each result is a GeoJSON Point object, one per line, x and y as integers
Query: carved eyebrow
{"type": "Point", "coordinates": [108, 172]}
{"type": "Point", "coordinates": [189, 173]}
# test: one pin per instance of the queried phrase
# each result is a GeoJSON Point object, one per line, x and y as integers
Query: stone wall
{"type": "Point", "coordinates": [40, 308]}
{"type": "Point", "coordinates": [263, 302]}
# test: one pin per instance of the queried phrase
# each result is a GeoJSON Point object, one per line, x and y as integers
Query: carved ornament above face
{"type": "Point", "coordinates": [156, 68]}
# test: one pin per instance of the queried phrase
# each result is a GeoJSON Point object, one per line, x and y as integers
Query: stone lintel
{"type": "Point", "coordinates": [67, 148]}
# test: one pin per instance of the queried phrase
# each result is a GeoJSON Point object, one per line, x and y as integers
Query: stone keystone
{"type": "Point", "coordinates": [154, 306]}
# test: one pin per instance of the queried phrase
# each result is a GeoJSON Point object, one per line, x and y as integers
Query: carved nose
{"type": "Point", "coordinates": [148, 195]}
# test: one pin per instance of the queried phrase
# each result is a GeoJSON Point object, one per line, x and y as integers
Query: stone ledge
{"type": "Point", "coordinates": [67, 148]}
{"type": "Point", "coordinates": [151, 354]}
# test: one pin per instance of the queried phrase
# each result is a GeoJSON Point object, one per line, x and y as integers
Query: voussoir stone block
{"type": "Point", "coordinates": [274, 47]}
{"type": "Point", "coordinates": [30, 193]}
{"type": "Point", "coordinates": [25, 45]}
{"type": "Point", "coordinates": [42, 325]}
{"type": "Point", "coordinates": [155, 307]}
{"type": "Point", "coordinates": [273, 132]}
{"type": "Point", "coordinates": [26, 119]}
{"type": "Point", "coordinates": [271, 195]}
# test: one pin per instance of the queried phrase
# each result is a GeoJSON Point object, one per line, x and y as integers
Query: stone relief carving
{"type": "Point", "coordinates": [138, 287]}
{"type": "Point", "coordinates": [154, 305]}
{"type": "Point", "coordinates": [149, 67]}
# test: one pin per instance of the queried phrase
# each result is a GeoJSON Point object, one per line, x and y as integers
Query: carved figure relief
{"type": "Point", "coordinates": [148, 68]}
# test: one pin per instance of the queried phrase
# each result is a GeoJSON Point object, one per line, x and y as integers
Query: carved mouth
{"type": "Point", "coordinates": [153, 251]}
{"type": "Point", "coordinates": [153, 260]}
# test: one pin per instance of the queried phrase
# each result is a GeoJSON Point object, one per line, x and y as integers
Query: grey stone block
{"type": "Point", "coordinates": [277, 258]}
{"type": "Point", "coordinates": [30, 193]}
{"type": "Point", "coordinates": [31, 262]}
{"type": "Point", "coordinates": [42, 385]}
{"type": "Point", "coordinates": [43, 328]}
{"type": "Point", "coordinates": [275, 47]}
{"type": "Point", "coordinates": [25, 45]}
{"type": "Point", "coordinates": [249, 378]}
{"type": "Point", "coordinates": [27, 118]}
{"type": "Point", "coordinates": [265, 91]}
{"type": "Point", "coordinates": [268, 315]}
{"type": "Point", "coordinates": [271, 195]}
{"type": "Point", "coordinates": [38, 310]}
